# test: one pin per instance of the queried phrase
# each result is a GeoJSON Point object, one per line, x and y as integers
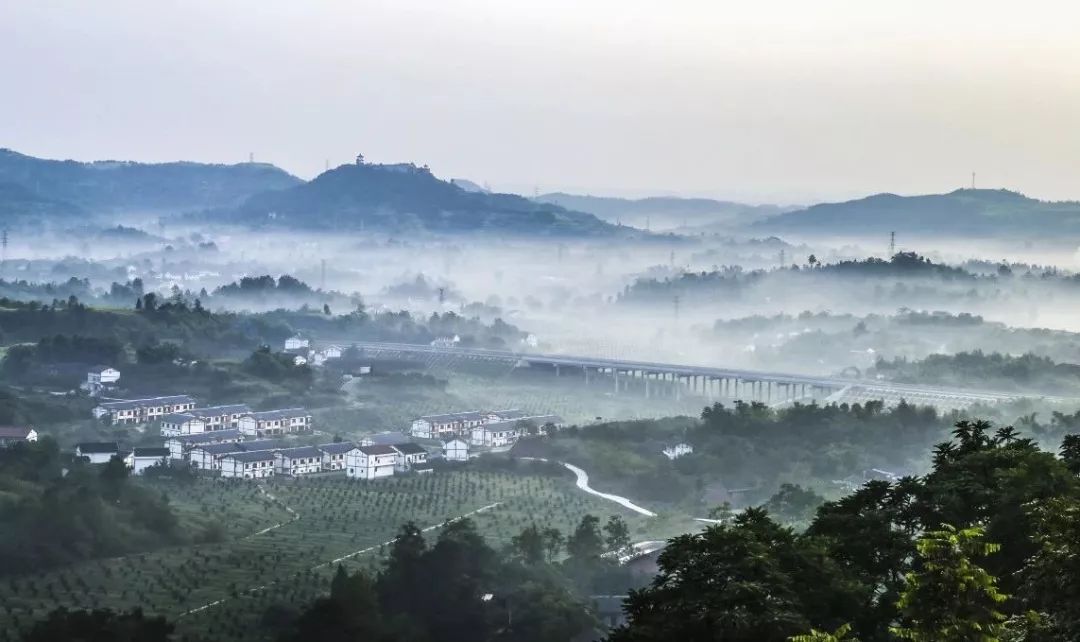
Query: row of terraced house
{"type": "Point", "coordinates": [482, 428]}
{"type": "Point", "coordinates": [179, 415]}
{"type": "Point", "coordinates": [228, 453]}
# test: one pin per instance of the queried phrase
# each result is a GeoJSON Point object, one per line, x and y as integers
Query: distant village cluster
{"type": "Point", "coordinates": [235, 441]}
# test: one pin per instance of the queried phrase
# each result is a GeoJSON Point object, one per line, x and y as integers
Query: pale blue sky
{"type": "Point", "coordinates": [788, 101]}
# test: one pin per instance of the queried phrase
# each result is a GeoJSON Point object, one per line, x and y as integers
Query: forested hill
{"type": "Point", "coordinates": [122, 185]}
{"type": "Point", "coordinates": [964, 211]}
{"type": "Point", "coordinates": [407, 198]}
{"type": "Point", "coordinates": [19, 203]}
{"type": "Point", "coordinates": [663, 211]}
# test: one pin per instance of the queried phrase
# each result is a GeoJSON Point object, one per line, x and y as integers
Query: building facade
{"type": "Point", "coordinates": [248, 465]}
{"type": "Point", "coordinates": [141, 411]}
{"type": "Point", "coordinates": [275, 422]}
{"type": "Point", "coordinates": [370, 462]}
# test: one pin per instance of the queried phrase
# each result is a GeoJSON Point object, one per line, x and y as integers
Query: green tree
{"type": "Point", "coordinates": [949, 597]}
{"type": "Point", "coordinates": [99, 626]}
{"type": "Point", "coordinates": [529, 545]}
{"type": "Point", "coordinates": [617, 535]}
{"type": "Point", "coordinates": [586, 544]}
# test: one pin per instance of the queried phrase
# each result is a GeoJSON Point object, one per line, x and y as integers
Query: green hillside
{"type": "Point", "coordinates": [125, 185]}
{"type": "Point", "coordinates": [405, 198]}
{"type": "Point", "coordinates": [965, 211]}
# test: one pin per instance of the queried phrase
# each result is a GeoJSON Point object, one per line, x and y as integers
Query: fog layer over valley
{"type": "Point", "coordinates": [329, 370]}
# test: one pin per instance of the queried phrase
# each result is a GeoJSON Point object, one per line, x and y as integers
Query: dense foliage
{"type": "Point", "coordinates": [981, 546]}
{"type": "Point", "coordinates": [55, 510]}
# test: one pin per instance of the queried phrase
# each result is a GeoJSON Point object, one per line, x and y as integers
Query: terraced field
{"type": "Point", "coordinates": [280, 540]}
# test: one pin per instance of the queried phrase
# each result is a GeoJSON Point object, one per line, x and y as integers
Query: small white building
{"type": "Point", "coordinates": [452, 423]}
{"type": "Point", "coordinates": [248, 465]}
{"type": "Point", "coordinates": [181, 423]}
{"type": "Point", "coordinates": [456, 450]}
{"type": "Point", "coordinates": [495, 434]}
{"type": "Point", "coordinates": [14, 434]}
{"type": "Point", "coordinates": [97, 452]}
{"type": "Point", "coordinates": [333, 455]}
{"type": "Point", "coordinates": [301, 460]}
{"type": "Point", "coordinates": [100, 378]}
{"type": "Point", "coordinates": [208, 456]}
{"type": "Point", "coordinates": [370, 462]}
{"type": "Point", "coordinates": [221, 417]}
{"type": "Point", "coordinates": [297, 343]}
{"type": "Point", "coordinates": [275, 422]}
{"type": "Point", "coordinates": [678, 450]}
{"type": "Point", "coordinates": [409, 456]}
{"type": "Point", "coordinates": [331, 352]}
{"type": "Point", "coordinates": [181, 445]}
{"type": "Point", "coordinates": [143, 458]}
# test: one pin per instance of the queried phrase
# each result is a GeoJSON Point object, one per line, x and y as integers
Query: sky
{"type": "Point", "coordinates": [772, 101]}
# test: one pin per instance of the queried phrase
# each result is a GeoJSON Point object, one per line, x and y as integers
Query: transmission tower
{"type": "Point", "coordinates": [3, 250]}
{"type": "Point", "coordinates": [892, 244]}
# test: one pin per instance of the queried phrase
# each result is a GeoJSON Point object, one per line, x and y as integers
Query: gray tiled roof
{"type": "Point", "coordinates": [301, 451]}
{"type": "Point", "coordinates": [337, 448]}
{"type": "Point", "coordinates": [409, 449]}
{"type": "Point", "coordinates": [208, 437]}
{"type": "Point", "coordinates": [219, 411]}
{"type": "Point", "coordinates": [129, 404]}
{"type": "Point", "coordinates": [254, 455]}
{"type": "Point", "coordinates": [284, 413]}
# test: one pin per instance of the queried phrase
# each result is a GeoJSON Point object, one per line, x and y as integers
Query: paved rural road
{"type": "Point", "coordinates": [583, 484]}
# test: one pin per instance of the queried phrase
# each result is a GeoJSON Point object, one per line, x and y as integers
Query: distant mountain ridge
{"type": "Point", "coordinates": [664, 212]}
{"type": "Point", "coordinates": [406, 198]}
{"type": "Point", "coordinates": [19, 204]}
{"type": "Point", "coordinates": [110, 186]}
{"type": "Point", "coordinates": [963, 211]}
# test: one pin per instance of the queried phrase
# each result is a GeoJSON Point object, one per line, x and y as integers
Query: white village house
{"type": "Point", "coordinates": [678, 450]}
{"type": "Point", "coordinates": [97, 452]}
{"type": "Point", "coordinates": [409, 456]}
{"type": "Point", "coordinates": [333, 455]}
{"type": "Point", "coordinates": [496, 434]}
{"type": "Point", "coordinates": [222, 417]}
{"type": "Point", "coordinates": [208, 456]}
{"type": "Point", "coordinates": [143, 458]}
{"type": "Point", "coordinates": [181, 423]}
{"type": "Point", "coordinates": [248, 464]}
{"type": "Point", "coordinates": [100, 378]}
{"type": "Point", "coordinates": [275, 422]}
{"type": "Point", "coordinates": [456, 450]}
{"type": "Point", "coordinates": [180, 446]}
{"type": "Point", "coordinates": [301, 460]}
{"type": "Point", "coordinates": [297, 343]}
{"type": "Point", "coordinates": [370, 462]}
{"type": "Point", "coordinates": [141, 411]}
{"type": "Point", "coordinates": [10, 435]}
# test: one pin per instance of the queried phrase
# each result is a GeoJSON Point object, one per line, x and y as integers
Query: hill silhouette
{"type": "Point", "coordinates": [664, 212]}
{"type": "Point", "coordinates": [19, 204]}
{"type": "Point", "coordinates": [405, 198]}
{"type": "Point", "coordinates": [103, 186]}
{"type": "Point", "coordinates": [964, 211]}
